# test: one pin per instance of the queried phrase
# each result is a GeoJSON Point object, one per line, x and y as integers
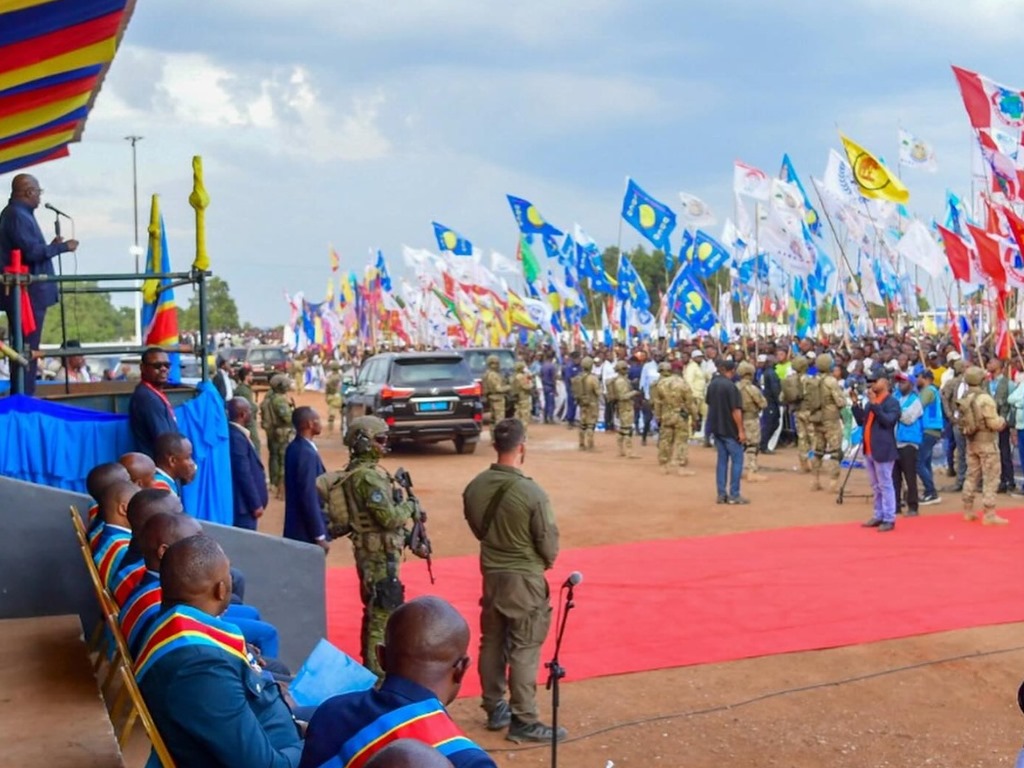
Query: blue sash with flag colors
{"type": "Point", "coordinates": [108, 550]}
{"type": "Point", "coordinates": [181, 626]}
{"type": "Point", "coordinates": [425, 721]}
{"type": "Point", "coordinates": [139, 609]}
{"type": "Point", "coordinates": [126, 580]}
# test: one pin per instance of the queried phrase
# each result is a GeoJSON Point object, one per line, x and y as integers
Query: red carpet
{"type": "Point", "coordinates": [659, 604]}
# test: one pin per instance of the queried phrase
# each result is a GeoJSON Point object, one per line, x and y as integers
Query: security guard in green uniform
{"type": "Point", "coordinates": [332, 393]}
{"type": "Point", "coordinates": [276, 415]}
{"type": "Point", "coordinates": [378, 530]}
{"type": "Point", "coordinates": [244, 389]}
{"type": "Point", "coordinates": [495, 390]}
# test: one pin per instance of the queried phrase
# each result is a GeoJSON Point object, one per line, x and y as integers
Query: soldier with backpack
{"type": "Point", "coordinates": [823, 401]}
{"type": "Point", "coordinates": [980, 423]}
{"type": "Point", "coordinates": [793, 387]}
{"type": "Point", "coordinates": [276, 417]}
{"type": "Point", "coordinates": [586, 390]}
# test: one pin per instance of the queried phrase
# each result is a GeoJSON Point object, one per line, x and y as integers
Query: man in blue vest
{"type": "Point", "coordinates": [424, 661]}
{"type": "Point", "coordinates": [209, 700]}
{"type": "Point", "coordinates": [909, 433]}
{"type": "Point", "coordinates": [933, 424]}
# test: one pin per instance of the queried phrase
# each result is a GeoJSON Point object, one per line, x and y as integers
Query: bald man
{"type": "Point", "coordinates": [141, 468]}
{"type": "Point", "coordinates": [408, 753]}
{"type": "Point", "coordinates": [212, 706]}
{"type": "Point", "coordinates": [109, 540]}
{"type": "Point", "coordinates": [143, 505]}
{"type": "Point", "coordinates": [424, 661]}
{"type": "Point", "coordinates": [19, 230]}
{"type": "Point", "coordinates": [97, 481]}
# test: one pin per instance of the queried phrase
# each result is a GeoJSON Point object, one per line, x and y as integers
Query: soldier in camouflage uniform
{"type": "Point", "coordinates": [674, 408]}
{"type": "Point", "coordinates": [332, 393]}
{"type": "Point", "coordinates": [802, 417]}
{"type": "Point", "coordinates": [948, 393]}
{"type": "Point", "coordinates": [826, 425]}
{"type": "Point", "coordinates": [298, 371]}
{"type": "Point", "coordinates": [586, 388]}
{"type": "Point", "coordinates": [753, 402]}
{"type": "Point", "coordinates": [276, 415]}
{"type": "Point", "coordinates": [495, 390]}
{"type": "Point", "coordinates": [244, 389]}
{"type": "Point", "coordinates": [621, 392]}
{"type": "Point", "coordinates": [522, 393]}
{"type": "Point", "coordinates": [982, 447]}
{"type": "Point", "coordinates": [379, 532]}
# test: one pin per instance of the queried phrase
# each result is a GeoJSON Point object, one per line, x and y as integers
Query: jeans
{"type": "Point", "coordinates": [729, 449]}
{"type": "Point", "coordinates": [905, 468]}
{"type": "Point", "coordinates": [570, 405]}
{"type": "Point", "coordinates": [1005, 460]}
{"type": "Point", "coordinates": [549, 404]}
{"type": "Point", "coordinates": [961, 456]}
{"type": "Point", "coordinates": [880, 475]}
{"type": "Point", "coordinates": [924, 464]}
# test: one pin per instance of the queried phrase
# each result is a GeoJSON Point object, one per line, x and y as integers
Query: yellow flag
{"type": "Point", "coordinates": [873, 178]}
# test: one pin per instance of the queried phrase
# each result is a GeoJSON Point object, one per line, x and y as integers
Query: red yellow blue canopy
{"type": "Point", "coordinates": [53, 57]}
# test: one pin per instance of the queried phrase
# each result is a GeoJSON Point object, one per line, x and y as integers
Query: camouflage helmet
{"type": "Point", "coordinates": [493, 362]}
{"type": "Point", "coordinates": [745, 370]}
{"type": "Point", "coordinates": [334, 365]}
{"type": "Point", "coordinates": [280, 383]}
{"type": "Point", "coordinates": [958, 367]}
{"type": "Point", "coordinates": [823, 362]}
{"type": "Point", "coordinates": [621, 366]}
{"type": "Point", "coordinates": [800, 364]}
{"type": "Point", "coordinates": [974, 376]}
{"type": "Point", "coordinates": [362, 433]}
{"type": "Point", "coordinates": [587, 363]}
{"type": "Point", "coordinates": [664, 367]}
{"type": "Point", "coordinates": [520, 366]}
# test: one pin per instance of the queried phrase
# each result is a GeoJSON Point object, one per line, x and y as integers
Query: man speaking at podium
{"type": "Point", "coordinates": [19, 230]}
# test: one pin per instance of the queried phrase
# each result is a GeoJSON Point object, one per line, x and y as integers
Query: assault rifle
{"type": "Point", "coordinates": [419, 541]}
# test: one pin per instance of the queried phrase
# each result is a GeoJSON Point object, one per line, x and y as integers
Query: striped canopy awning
{"type": "Point", "coordinates": [53, 57]}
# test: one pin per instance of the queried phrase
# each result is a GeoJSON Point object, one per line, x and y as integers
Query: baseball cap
{"type": "Point", "coordinates": [696, 353]}
{"type": "Point", "coordinates": [901, 376]}
{"type": "Point", "coordinates": [762, 358]}
{"type": "Point", "coordinates": [933, 353]}
{"type": "Point", "coordinates": [954, 355]}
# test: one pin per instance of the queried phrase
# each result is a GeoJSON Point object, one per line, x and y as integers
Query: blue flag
{"type": "Point", "coordinates": [687, 301]}
{"type": "Point", "coordinates": [811, 218]}
{"type": "Point", "coordinates": [382, 271]}
{"type": "Point", "coordinates": [450, 240]}
{"type": "Point", "coordinates": [591, 266]}
{"type": "Point", "coordinates": [551, 247]}
{"type": "Point", "coordinates": [708, 255]}
{"type": "Point", "coordinates": [652, 219]}
{"type": "Point", "coordinates": [630, 287]}
{"type": "Point", "coordinates": [529, 219]}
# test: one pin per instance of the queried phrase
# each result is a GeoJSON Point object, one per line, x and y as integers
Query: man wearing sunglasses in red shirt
{"type": "Point", "coordinates": [149, 412]}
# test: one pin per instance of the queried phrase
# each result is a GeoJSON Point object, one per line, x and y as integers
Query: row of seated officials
{"type": "Point", "coordinates": [206, 665]}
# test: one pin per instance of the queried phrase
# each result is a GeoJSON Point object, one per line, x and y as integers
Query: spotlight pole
{"type": "Point", "coordinates": [136, 251]}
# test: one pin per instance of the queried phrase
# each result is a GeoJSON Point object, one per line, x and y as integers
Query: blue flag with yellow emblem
{"type": "Point", "coordinates": [630, 287]}
{"type": "Point", "coordinates": [652, 219]}
{"type": "Point", "coordinates": [708, 255]}
{"type": "Point", "coordinates": [591, 266]}
{"type": "Point", "coordinates": [529, 219]}
{"type": "Point", "coordinates": [788, 173]}
{"type": "Point", "coordinates": [687, 301]}
{"type": "Point", "coordinates": [450, 240]}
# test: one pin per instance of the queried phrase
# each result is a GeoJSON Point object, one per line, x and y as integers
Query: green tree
{"type": "Point", "coordinates": [91, 317]}
{"type": "Point", "coordinates": [221, 310]}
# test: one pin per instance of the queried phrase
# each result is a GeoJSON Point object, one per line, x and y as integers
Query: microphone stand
{"type": "Point", "coordinates": [63, 312]}
{"type": "Point", "coordinates": [556, 671]}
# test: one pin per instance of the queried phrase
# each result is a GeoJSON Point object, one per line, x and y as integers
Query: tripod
{"type": "Point", "coordinates": [555, 670]}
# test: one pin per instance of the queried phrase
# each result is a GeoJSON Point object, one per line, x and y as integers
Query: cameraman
{"type": "Point", "coordinates": [878, 416]}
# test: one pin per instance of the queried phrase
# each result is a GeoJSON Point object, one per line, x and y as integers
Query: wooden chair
{"type": "Point", "coordinates": [99, 641]}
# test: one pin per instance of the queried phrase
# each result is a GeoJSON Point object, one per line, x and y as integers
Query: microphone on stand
{"type": "Point", "coordinates": [574, 579]}
{"type": "Point", "coordinates": [55, 210]}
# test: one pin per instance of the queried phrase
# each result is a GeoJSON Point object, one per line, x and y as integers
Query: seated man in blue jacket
{"type": "Point", "coordinates": [879, 419]}
{"type": "Point", "coordinates": [424, 660]}
{"type": "Point", "coordinates": [210, 702]}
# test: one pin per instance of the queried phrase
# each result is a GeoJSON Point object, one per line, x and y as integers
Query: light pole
{"type": "Point", "coordinates": [136, 250]}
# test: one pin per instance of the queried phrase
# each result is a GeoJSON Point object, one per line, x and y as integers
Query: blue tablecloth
{"type": "Point", "coordinates": [55, 444]}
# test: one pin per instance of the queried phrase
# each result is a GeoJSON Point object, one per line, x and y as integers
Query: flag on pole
{"type": "Point", "coordinates": [709, 255]}
{"type": "Point", "coordinates": [958, 255]}
{"type": "Point", "coordinates": [788, 174]}
{"type": "Point", "coordinates": [529, 219]}
{"type": "Point", "coordinates": [917, 246]}
{"type": "Point", "coordinates": [749, 181]}
{"type": "Point", "coordinates": [383, 277]}
{"type": "Point", "coordinates": [159, 313]}
{"type": "Point", "coordinates": [335, 258]}
{"type": "Point", "coordinates": [687, 300]}
{"type": "Point", "coordinates": [915, 153]}
{"type": "Point", "coordinates": [871, 176]}
{"type": "Point", "coordinates": [450, 240]}
{"type": "Point", "coordinates": [989, 259]}
{"type": "Point", "coordinates": [990, 105]}
{"type": "Point", "coordinates": [630, 286]}
{"type": "Point", "coordinates": [696, 213]}
{"type": "Point", "coordinates": [651, 218]}
{"type": "Point", "coordinates": [531, 267]}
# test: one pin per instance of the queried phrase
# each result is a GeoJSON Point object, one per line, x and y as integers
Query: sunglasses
{"type": "Point", "coordinates": [158, 365]}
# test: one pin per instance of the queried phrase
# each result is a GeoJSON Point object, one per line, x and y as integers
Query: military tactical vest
{"type": "Point", "coordinates": [966, 415]}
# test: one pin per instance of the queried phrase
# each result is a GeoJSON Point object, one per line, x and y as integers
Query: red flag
{"type": "Point", "coordinates": [989, 258]}
{"type": "Point", "coordinates": [1016, 224]}
{"type": "Point", "coordinates": [957, 254]}
{"type": "Point", "coordinates": [1003, 341]}
{"type": "Point", "coordinates": [988, 103]}
{"type": "Point", "coordinates": [954, 331]}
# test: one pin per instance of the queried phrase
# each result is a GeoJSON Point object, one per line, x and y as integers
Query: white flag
{"type": "Point", "coordinates": [696, 213]}
{"type": "Point", "coordinates": [869, 285]}
{"type": "Point", "coordinates": [500, 265]}
{"type": "Point", "coordinates": [915, 153]}
{"type": "Point", "coordinates": [782, 238]}
{"type": "Point", "coordinates": [919, 247]}
{"type": "Point", "coordinates": [839, 181]}
{"type": "Point", "coordinates": [750, 181]}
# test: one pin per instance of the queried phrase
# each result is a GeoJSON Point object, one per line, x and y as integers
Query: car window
{"type": "Point", "coordinates": [366, 372]}
{"type": "Point", "coordinates": [255, 356]}
{"type": "Point", "coordinates": [273, 355]}
{"type": "Point", "coordinates": [410, 373]}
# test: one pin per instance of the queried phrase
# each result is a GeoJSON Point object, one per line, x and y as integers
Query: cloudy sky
{"type": "Point", "coordinates": [356, 123]}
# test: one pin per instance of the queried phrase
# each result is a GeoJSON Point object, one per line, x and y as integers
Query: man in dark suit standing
{"type": "Point", "coordinates": [149, 411]}
{"type": "Point", "coordinates": [303, 515]}
{"type": "Point", "coordinates": [248, 479]}
{"type": "Point", "coordinates": [19, 230]}
{"type": "Point", "coordinates": [222, 380]}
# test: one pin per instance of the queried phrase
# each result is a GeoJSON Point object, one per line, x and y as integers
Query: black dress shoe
{"type": "Point", "coordinates": [1003, 489]}
{"type": "Point", "coordinates": [886, 527]}
{"type": "Point", "coordinates": [722, 500]}
{"type": "Point", "coordinates": [874, 522]}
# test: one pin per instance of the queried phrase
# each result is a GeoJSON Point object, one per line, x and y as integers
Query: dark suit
{"type": "Point", "coordinates": [303, 515]}
{"type": "Point", "coordinates": [248, 480]}
{"type": "Point", "coordinates": [149, 418]}
{"type": "Point", "coordinates": [222, 382]}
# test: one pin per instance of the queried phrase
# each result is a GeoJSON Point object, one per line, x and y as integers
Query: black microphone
{"type": "Point", "coordinates": [55, 210]}
{"type": "Point", "coordinates": [574, 578]}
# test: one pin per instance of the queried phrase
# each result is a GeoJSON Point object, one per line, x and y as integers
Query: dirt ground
{"type": "Point", "coordinates": [937, 700]}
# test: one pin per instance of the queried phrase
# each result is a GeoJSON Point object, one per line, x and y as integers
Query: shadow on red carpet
{"type": "Point", "coordinates": [671, 603]}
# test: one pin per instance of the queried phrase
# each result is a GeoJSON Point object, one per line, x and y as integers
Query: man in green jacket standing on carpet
{"type": "Point", "coordinates": [512, 518]}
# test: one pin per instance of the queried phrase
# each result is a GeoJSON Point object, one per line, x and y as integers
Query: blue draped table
{"type": "Point", "coordinates": [55, 444]}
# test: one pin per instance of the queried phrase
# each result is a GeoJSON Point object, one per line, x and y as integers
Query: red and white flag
{"type": "Point", "coordinates": [989, 104]}
{"type": "Point", "coordinates": [751, 182]}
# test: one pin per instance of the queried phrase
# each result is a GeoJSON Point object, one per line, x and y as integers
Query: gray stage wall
{"type": "Point", "coordinates": [42, 572]}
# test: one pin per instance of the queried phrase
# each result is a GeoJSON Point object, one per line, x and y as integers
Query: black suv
{"type": "Point", "coordinates": [425, 397]}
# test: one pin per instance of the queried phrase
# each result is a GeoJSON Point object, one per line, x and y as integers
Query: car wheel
{"type": "Point", "coordinates": [465, 446]}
